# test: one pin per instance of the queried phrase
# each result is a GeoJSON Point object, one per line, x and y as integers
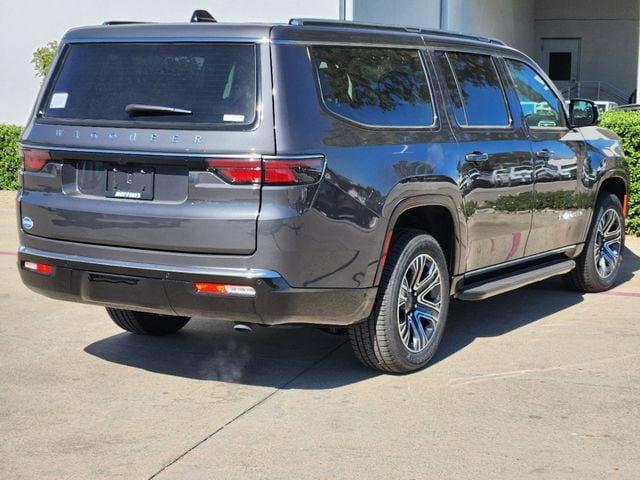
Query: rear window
{"type": "Point", "coordinates": [206, 83]}
{"type": "Point", "coordinates": [375, 86]}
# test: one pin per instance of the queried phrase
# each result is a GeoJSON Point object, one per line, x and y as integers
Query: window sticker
{"type": "Point", "coordinates": [59, 100]}
{"type": "Point", "coordinates": [233, 118]}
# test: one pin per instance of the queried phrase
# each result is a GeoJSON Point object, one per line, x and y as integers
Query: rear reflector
{"type": "Point", "coordinates": [270, 170]}
{"type": "Point", "coordinates": [40, 268]}
{"type": "Point", "coordinates": [223, 289]}
{"type": "Point", "coordinates": [625, 205]}
{"type": "Point", "coordinates": [34, 160]}
{"type": "Point", "coordinates": [385, 248]}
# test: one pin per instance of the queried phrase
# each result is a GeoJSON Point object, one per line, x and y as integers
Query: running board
{"type": "Point", "coordinates": [517, 279]}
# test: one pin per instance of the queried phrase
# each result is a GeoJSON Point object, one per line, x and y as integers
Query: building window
{"type": "Point", "coordinates": [560, 66]}
{"type": "Point", "coordinates": [375, 86]}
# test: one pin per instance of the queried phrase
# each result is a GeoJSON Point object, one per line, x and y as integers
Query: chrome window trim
{"type": "Point", "coordinates": [435, 126]}
{"type": "Point", "coordinates": [215, 271]}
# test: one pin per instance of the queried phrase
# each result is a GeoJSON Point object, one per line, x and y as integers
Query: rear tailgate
{"type": "Point", "coordinates": [141, 178]}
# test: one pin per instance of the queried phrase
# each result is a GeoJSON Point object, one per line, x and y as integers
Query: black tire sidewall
{"type": "Point", "coordinates": [417, 245]}
{"type": "Point", "coordinates": [605, 203]}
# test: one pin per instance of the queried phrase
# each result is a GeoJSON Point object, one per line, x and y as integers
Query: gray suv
{"type": "Point", "coordinates": [348, 176]}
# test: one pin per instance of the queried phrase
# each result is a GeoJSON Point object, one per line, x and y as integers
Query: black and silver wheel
{"type": "Point", "coordinates": [410, 313]}
{"type": "Point", "coordinates": [144, 323]}
{"type": "Point", "coordinates": [598, 265]}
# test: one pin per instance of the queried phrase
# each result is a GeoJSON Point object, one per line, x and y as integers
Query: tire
{"type": "Point", "coordinates": [143, 323]}
{"type": "Point", "coordinates": [588, 276]}
{"type": "Point", "coordinates": [385, 341]}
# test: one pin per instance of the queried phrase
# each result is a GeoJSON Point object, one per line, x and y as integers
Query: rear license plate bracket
{"type": "Point", "coordinates": [131, 183]}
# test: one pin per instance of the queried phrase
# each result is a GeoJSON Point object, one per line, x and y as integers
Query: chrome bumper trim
{"type": "Point", "coordinates": [219, 271]}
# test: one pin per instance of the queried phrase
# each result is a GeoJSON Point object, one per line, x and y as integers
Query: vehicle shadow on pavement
{"type": "Point", "coordinates": [213, 351]}
{"type": "Point", "coordinates": [504, 313]}
{"type": "Point", "coordinates": [275, 357]}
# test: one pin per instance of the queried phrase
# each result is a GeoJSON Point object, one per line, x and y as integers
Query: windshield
{"type": "Point", "coordinates": [198, 83]}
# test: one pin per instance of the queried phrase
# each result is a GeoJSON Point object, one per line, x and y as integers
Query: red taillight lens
{"type": "Point", "coordinates": [241, 171]}
{"type": "Point", "coordinates": [41, 268]}
{"type": "Point", "coordinates": [34, 160]}
{"type": "Point", "coordinates": [281, 170]}
{"type": "Point", "coordinates": [293, 171]}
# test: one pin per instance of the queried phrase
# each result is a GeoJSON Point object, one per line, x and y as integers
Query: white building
{"type": "Point", "coordinates": [590, 46]}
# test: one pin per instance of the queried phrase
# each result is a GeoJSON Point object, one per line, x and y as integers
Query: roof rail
{"type": "Point", "coordinates": [123, 22]}
{"type": "Point", "coordinates": [317, 22]}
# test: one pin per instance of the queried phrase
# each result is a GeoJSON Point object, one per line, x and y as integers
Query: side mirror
{"type": "Point", "coordinates": [583, 113]}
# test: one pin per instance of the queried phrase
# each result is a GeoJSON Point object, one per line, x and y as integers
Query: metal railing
{"type": "Point", "coordinates": [595, 90]}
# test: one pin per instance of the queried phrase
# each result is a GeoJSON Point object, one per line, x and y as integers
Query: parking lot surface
{"type": "Point", "coordinates": [538, 383]}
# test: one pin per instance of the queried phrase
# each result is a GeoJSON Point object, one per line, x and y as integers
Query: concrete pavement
{"type": "Point", "coordinates": [537, 383]}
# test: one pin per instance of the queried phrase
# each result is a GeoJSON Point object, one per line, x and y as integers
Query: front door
{"type": "Point", "coordinates": [495, 164]}
{"type": "Point", "coordinates": [560, 206]}
{"type": "Point", "coordinates": [561, 60]}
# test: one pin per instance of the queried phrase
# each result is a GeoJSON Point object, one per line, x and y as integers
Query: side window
{"type": "Point", "coordinates": [480, 88]}
{"type": "Point", "coordinates": [451, 86]}
{"type": "Point", "coordinates": [540, 105]}
{"type": "Point", "coordinates": [375, 86]}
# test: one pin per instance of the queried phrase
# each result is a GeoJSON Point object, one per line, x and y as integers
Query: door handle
{"type": "Point", "coordinates": [476, 157]}
{"type": "Point", "coordinates": [544, 154]}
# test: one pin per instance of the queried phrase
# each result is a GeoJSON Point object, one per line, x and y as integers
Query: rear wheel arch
{"type": "Point", "coordinates": [436, 215]}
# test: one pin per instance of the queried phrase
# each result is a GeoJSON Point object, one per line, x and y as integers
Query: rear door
{"type": "Point", "coordinates": [495, 165]}
{"type": "Point", "coordinates": [560, 215]}
{"type": "Point", "coordinates": [134, 136]}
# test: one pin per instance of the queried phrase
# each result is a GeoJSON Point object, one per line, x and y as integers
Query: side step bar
{"type": "Point", "coordinates": [517, 279]}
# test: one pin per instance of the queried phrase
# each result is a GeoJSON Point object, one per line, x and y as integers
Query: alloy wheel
{"type": "Point", "coordinates": [608, 243]}
{"type": "Point", "coordinates": [419, 303]}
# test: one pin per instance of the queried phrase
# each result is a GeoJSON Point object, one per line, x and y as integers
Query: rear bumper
{"type": "Point", "coordinates": [170, 290]}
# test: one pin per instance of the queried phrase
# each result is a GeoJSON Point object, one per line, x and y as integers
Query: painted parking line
{"type": "Point", "coordinates": [622, 294]}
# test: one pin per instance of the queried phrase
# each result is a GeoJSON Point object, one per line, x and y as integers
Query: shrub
{"type": "Point", "coordinates": [627, 126]}
{"type": "Point", "coordinates": [9, 156]}
{"type": "Point", "coordinates": [43, 58]}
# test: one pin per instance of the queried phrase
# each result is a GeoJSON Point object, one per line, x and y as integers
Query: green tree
{"type": "Point", "coordinates": [43, 58]}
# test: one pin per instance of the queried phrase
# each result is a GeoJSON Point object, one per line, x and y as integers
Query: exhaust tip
{"type": "Point", "coordinates": [242, 327]}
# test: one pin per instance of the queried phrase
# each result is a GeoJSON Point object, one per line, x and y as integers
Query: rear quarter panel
{"type": "Point", "coordinates": [337, 240]}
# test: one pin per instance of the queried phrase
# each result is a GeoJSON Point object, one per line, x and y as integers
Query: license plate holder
{"type": "Point", "coordinates": [130, 183]}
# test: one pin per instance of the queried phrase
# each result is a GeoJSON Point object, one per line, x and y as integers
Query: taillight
{"type": "Point", "coordinates": [239, 171]}
{"type": "Point", "coordinates": [270, 170]}
{"type": "Point", "coordinates": [34, 160]}
{"type": "Point", "coordinates": [41, 268]}
{"type": "Point", "coordinates": [283, 170]}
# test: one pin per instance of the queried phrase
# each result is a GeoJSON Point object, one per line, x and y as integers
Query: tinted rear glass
{"type": "Point", "coordinates": [481, 90]}
{"type": "Point", "coordinates": [375, 86]}
{"type": "Point", "coordinates": [215, 82]}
